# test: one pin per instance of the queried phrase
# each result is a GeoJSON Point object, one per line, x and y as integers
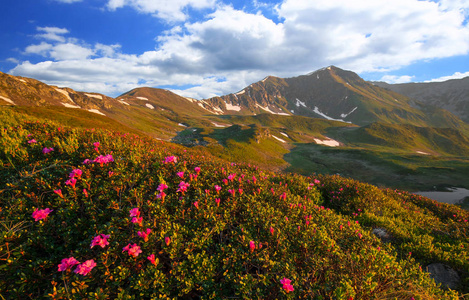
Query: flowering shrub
{"type": "Point", "coordinates": [226, 231]}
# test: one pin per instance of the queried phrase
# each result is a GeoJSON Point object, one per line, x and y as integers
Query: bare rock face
{"type": "Point", "coordinates": [444, 274]}
{"type": "Point", "coordinates": [382, 234]}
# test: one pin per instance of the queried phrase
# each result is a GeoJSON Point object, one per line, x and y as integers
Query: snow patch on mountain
{"type": "Point", "coordinates": [346, 115]}
{"type": "Point", "coordinates": [316, 110]}
{"type": "Point", "coordinates": [219, 125]}
{"type": "Point", "coordinates": [65, 93]}
{"type": "Point", "coordinates": [327, 142]}
{"type": "Point", "coordinates": [182, 125]}
{"type": "Point", "coordinates": [149, 106]}
{"type": "Point", "coordinates": [299, 102]}
{"type": "Point", "coordinates": [278, 139]}
{"type": "Point", "coordinates": [96, 111]}
{"type": "Point", "coordinates": [142, 98]}
{"type": "Point", "coordinates": [284, 134]}
{"type": "Point", "coordinates": [123, 102]}
{"type": "Point", "coordinates": [7, 100]}
{"type": "Point", "coordinates": [240, 92]}
{"type": "Point", "coordinates": [94, 96]}
{"type": "Point", "coordinates": [229, 106]}
{"type": "Point", "coordinates": [70, 105]}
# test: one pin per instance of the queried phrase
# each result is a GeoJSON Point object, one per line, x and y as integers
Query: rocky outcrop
{"type": "Point", "coordinates": [444, 274]}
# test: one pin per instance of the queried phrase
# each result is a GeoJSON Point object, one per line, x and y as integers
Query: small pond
{"type": "Point", "coordinates": [453, 196]}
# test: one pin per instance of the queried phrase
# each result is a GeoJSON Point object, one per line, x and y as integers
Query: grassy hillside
{"type": "Point", "coordinates": [110, 215]}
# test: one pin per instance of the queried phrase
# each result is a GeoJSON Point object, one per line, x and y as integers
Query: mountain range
{"type": "Point", "coordinates": [287, 123]}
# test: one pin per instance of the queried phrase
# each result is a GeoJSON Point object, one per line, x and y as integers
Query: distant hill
{"type": "Point", "coordinates": [333, 94]}
{"type": "Point", "coordinates": [452, 95]}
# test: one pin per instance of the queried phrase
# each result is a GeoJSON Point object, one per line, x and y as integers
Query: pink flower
{"type": "Point", "coordinates": [40, 214]}
{"type": "Point", "coordinates": [217, 188]}
{"type": "Point", "coordinates": [197, 170]}
{"type": "Point", "coordinates": [161, 195]}
{"type": "Point", "coordinates": [71, 182]}
{"type": "Point", "coordinates": [167, 240]}
{"type": "Point", "coordinates": [32, 141]}
{"type": "Point", "coordinates": [231, 177]}
{"type": "Point", "coordinates": [135, 212]}
{"type": "Point", "coordinates": [144, 234]}
{"type": "Point", "coordinates": [47, 150]}
{"type": "Point", "coordinates": [196, 204]}
{"type": "Point", "coordinates": [137, 220]}
{"type": "Point", "coordinates": [85, 192]}
{"type": "Point", "coordinates": [100, 240]}
{"type": "Point", "coordinates": [183, 187]}
{"type": "Point", "coordinates": [59, 192]}
{"type": "Point", "coordinates": [67, 263]}
{"type": "Point", "coordinates": [225, 181]}
{"type": "Point", "coordinates": [152, 259]}
{"type": "Point", "coordinates": [170, 159]}
{"type": "Point", "coordinates": [87, 162]}
{"type": "Point", "coordinates": [162, 187]}
{"type": "Point", "coordinates": [75, 173]}
{"type": "Point", "coordinates": [217, 200]}
{"type": "Point", "coordinates": [110, 173]}
{"type": "Point", "coordinates": [283, 196]}
{"type": "Point", "coordinates": [286, 285]}
{"type": "Point", "coordinates": [254, 179]}
{"type": "Point", "coordinates": [104, 159]}
{"type": "Point", "coordinates": [132, 250]}
{"type": "Point", "coordinates": [180, 174]}
{"type": "Point", "coordinates": [96, 146]}
{"type": "Point", "coordinates": [85, 267]}
{"type": "Point", "coordinates": [232, 192]}
{"type": "Point", "coordinates": [252, 246]}
{"type": "Point", "coordinates": [271, 230]}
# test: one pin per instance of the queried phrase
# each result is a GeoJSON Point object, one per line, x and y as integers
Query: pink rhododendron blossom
{"type": "Point", "coordinates": [197, 170]}
{"type": "Point", "coordinates": [152, 259]}
{"type": "Point", "coordinates": [167, 240]}
{"type": "Point", "coordinates": [100, 240]}
{"type": "Point", "coordinates": [170, 159]}
{"type": "Point", "coordinates": [162, 187]}
{"type": "Point", "coordinates": [161, 195]}
{"type": "Point", "coordinates": [59, 192]}
{"type": "Point", "coordinates": [231, 177]}
{"type": "Point", "coordinates": [135, 212]}
{"type": "Point", "coordinates": [217, 188]}
{"type": "Point", "coordinates": [217, 200]}
{"type": "Point", "coordinates": [132, 250]}
{"type": "Point", "coordinates": [87, 162]}
{"type": "Point", "coordinates": [144, 234]}
{"type": "Point", "coordinates": [71, 182]}
{"type": "Point", "coordinates": [225, 181]}
{"type": "Point", "coordinates": [271, 229]}
{"type": "Point", "coordinates": [196, 204]}
{"type": "Point", "coordinates": [33, 141]}
{"type": "Point", "coordinates": [252, 246]}
{"type": "Point", "coordinates": [85, 192]}
{"type": "Point", "coordinates": [232, 192]}
{"type": "Point", "coordinates": [40, 214]}
{"type": "Point", "coordinates": [96, 146]}
{"type": "Point", "coordinates": [180, 174]}
{"type": "Point", "coordinates": [47, 150]}
{"type": "Point", "coordinates": [286, 285]}
{"type": "Point", "coordinates": [85, 267]}
{"type": "Point", "coordinates": [75, 173]}
{"type": "Point", "coordinates": [183, 187]}
{"type": "Point", "coordinates": [67, 263]}
{"type": "Point", "coordinates": [137, 220]}
{"type": "Point", "coordinates": [110, 173]}
{"type": "Point", "coordinates": [104, 159]}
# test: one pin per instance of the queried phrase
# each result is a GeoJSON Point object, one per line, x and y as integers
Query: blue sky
{"type": "Point", "coordinates": [203, 48]}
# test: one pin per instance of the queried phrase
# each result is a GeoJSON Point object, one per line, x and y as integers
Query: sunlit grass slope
{"type": "Point", "coordinates": [96, 214]}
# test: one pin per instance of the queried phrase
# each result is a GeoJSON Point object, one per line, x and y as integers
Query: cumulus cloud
{"type": "Point", "coordinates": [169, 10]}
{"type": "Point", "coordinates": [68, 1]}
{"type": "Point", "coordinates": [231, 48]}
{"type": "Point", "coordinates": [52, 33]}
{"type": "Point", "coordinates": [457, 75]}
{"type": "Point", "coordinates": [396, 79]}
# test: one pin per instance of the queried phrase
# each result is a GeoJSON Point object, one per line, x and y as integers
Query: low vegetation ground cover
{"type": "Point", "coordinates": [96, 214]}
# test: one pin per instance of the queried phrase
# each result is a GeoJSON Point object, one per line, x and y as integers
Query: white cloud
{"type": "Point", "coordinates": [457, 75]}
{"type": "Point", "coordinates": [169, 10]}
{"type": "Point", "coordinates": [229, 48]}
{"type": "Point", "coordinates": [68, 1]}
{"type": "Point", "coordinates": [52, 33]}
{"type": "Point", "coordinates": [41, 49]}
{"type": "Point", "coordinates": [396, 79]}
